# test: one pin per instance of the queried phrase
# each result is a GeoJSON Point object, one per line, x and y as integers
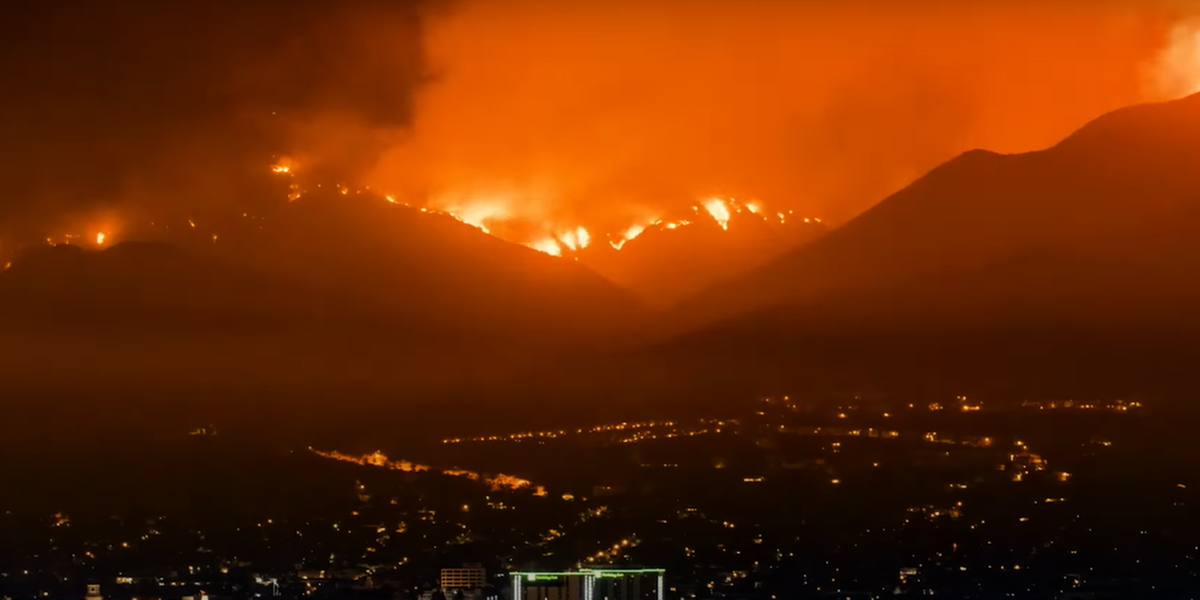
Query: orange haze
{"type": "Point", "coordinates": [607, 113]}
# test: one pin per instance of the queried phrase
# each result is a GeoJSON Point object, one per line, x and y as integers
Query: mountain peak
{"type": "Point", "coordinates": [1129, 170]}
{"type": "Point", "coordinates": [1159, 126]}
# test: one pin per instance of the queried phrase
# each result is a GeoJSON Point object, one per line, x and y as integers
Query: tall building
{"type": "Point", "coordinates": [93, 592]}
{"type": "Point", "coordinates": [589, 584]}
{"type": "Point", "coordinates": [469, 577]}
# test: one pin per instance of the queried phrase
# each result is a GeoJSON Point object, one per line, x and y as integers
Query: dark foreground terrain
{"type": "Point", "coordinates": [767, 498]}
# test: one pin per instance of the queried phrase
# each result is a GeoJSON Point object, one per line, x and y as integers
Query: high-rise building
{"type": "Point", "coordinates": [589, 584]}
{"type": "Point", "coordinates": [469, 577]}
{"type": "Point", "coordinates": [93, 592]}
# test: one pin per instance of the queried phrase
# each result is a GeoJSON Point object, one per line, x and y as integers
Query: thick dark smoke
{"type": "Point", "coordinates": [171, 106]}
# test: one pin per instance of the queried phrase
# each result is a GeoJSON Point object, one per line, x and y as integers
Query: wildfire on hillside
{"type": "Point", "coordinates": [99, 239]}
{"type": "Point", "coordinates": [632, 232]}
{"type": "Point", "coordinates": [283, 165]}
{"type": "Point", "coordinates": [547, 245]}
{"type": "Point", "coordinates": [487, 212]}
{"type": "Point", "coordinates": [718, 210]}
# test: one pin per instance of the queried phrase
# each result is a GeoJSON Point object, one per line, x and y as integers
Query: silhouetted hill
{"type": "Point", "coordinates": [386, 260]}
{"type": "Point", "coordinates": [339, 291]}
{"type": "Point", "coordinates": [1118, 177]}
{"type": "Point", "coordinates": [334, 260]}
{"type": "Point", "coordinates": [143, 284]}
{"type": "Point", "coordinates": [1083, 249]}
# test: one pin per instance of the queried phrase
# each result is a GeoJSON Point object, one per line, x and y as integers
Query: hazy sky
{"type": "Point", "coordinates": [617, 109]}
{"type": "Point", "coordinates": [599, 111]}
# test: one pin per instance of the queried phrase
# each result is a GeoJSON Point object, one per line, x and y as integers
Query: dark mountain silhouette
{"type": "Point", "coordinates": [387, 260]}
{"type": "Point", "coordinates": [341, 291]}
{"type": "Point", "coordinates": [139, 314]}
{"type": "Point", "coordinates": [335, 261]}
{"type": "Point", "coordinates": [1075, 261]}
{"type": "Point", "coordinates": [146, 283]}
{"type": "Point", "coordinates": [1117, 178]}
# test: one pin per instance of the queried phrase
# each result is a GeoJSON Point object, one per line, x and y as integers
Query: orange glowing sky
{"type": "Point", "coordinates": [612, 112]}
{"type": "Point", "coordinates": [537, 117]}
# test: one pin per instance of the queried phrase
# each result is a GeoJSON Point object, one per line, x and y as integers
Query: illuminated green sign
{"type": "Point", "coordinates": [623, 572]}
{"type": "Point", "coordinates": [553, 575]}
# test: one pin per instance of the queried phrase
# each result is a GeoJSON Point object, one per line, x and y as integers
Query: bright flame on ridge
{"type": "Point", "coordinates": [718, 210]}
{"type": "Point", "coordinates": [479, 212]}
{"type": "Point", "coordinates": [575, 240]}
{"type": "Point", "coordinates": [547, 245]}
{"type": "Point", "coordinates": [632, 232]}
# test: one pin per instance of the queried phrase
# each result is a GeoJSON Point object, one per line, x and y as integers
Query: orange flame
{"type": "Point", "coordinates": [547, 245]}
{"type": "Point", "coordinates": [633, 231]}
{"type": "Point", "coordinates": [478, 214]}
{"type": "Point", "coordinates": [718, 210]}
{"type": "Point", "coordinates": [282, 167]}
{"type": "Point", "coordinates": [486, 211]}
{"type": "Point", "coordinates": [576, 239]}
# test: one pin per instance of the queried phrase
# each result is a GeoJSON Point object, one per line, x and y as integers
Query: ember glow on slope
{"type": "Point", "coordinates": [91, 230]}
{"type": "Point", "coordinates": [570, 240]}
{"type": "Point", "coordinates": [489, 211]}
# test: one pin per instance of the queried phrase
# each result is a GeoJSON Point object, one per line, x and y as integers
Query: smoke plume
{"type": "Point", "coordinates": [140, 105]}
{"type": "Point", "coordinates": [602, 111]}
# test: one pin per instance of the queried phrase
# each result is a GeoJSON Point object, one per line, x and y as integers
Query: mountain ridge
{"type": "Point", "coordinates": [887, 240]}
{"type": "Point", "coordinates": [333, 294]}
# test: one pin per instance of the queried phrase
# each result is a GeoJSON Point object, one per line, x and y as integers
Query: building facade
{"type": "Point", "coordinates": [589, 584]}
{"type": "Point", "coordinates": [469, 577]}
